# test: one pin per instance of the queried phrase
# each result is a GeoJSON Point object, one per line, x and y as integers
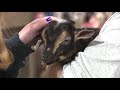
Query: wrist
{"type": "Point", "coordinates": [22, 38]}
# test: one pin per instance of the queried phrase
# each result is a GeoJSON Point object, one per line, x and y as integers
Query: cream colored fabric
{"type": "Point", "coordinates": [101, 59]}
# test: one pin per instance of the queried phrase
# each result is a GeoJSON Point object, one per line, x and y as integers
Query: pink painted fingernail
{"type": "Point", "coordinates": [48, 19]}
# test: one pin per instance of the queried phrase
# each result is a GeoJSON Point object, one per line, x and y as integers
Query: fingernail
{"type": "Point", "coordinates": [48, 19]}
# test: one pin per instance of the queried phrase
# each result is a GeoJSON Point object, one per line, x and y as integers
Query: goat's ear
{"type": "Point", "coordinates": [84, 34]}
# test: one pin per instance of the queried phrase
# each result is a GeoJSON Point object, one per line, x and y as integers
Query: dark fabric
{"type": "Point", "coordinates": [19, 51]}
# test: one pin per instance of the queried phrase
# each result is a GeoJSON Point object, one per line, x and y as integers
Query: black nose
{"type": "Point", "coordinates": [44, 57]}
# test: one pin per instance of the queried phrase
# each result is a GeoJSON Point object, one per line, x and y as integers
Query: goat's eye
{"type": "Point", "coordinates": [67, 41]}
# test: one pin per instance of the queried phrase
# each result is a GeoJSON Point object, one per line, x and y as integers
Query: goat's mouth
{"type": "Point", "coordinates": [52, 60]}
{"type": "Point", "coordinates": [57, 58]}
{"type": "Point", "coordinates": [49, 61]}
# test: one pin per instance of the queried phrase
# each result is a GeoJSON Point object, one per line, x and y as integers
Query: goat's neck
{"type": "Point", "coordinates": [53, 70]}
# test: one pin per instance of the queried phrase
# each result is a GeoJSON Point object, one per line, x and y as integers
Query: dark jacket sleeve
{"type": "Point", "coordinates": [19, 51]}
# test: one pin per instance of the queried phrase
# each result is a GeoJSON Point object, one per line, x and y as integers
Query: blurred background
{"type": "Point", "coordinates": [12, 22]}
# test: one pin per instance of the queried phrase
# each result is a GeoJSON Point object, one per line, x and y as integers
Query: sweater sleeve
{"type": "Point", "coordinates": [19, 51]}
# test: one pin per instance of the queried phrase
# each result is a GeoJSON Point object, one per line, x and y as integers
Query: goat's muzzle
{"type": "Point", "coordinates": [49, 60]}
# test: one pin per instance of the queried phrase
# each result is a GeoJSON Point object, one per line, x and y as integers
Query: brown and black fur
{"type": "Point", "coordinates": [62, 42]}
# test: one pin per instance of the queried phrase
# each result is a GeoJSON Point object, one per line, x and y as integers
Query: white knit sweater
{"type": "Point", "coordinates": [101, 59]}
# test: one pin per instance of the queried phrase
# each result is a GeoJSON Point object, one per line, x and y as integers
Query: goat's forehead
{"type": "Point", "coordinates": [61, 20]}
{"type": "Point", "coordinates": [59, 26]}
{"type": "Point", "coordinates": [60, 23]}
{"type": "Point", "coordinates": [55, 28]}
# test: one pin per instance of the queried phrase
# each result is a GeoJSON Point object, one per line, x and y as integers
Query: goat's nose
{"type": "Point", "coordinates": [44, 57]}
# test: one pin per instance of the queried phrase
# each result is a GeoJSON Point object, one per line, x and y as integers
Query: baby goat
{"type": "Point", "coordinates": [62, 42]}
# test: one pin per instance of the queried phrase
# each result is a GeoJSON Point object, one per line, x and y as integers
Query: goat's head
{"type": "Point", "coordinates": [62, 40]}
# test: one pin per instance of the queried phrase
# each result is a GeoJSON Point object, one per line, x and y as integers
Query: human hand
{"type": "Point", "coordinates": [31, 30]}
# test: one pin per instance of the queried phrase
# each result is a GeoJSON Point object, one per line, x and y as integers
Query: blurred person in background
{"type": "Point", "coordinates": [39, 14]}
{"type": "Point", "coordinates": [89, 20]}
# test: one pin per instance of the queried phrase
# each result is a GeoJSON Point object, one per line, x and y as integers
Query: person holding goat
{"type": "Point", "coordinates": [101, 58]}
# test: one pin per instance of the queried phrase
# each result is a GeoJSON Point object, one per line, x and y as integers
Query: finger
{"type": "Point", "coordinates": [39, 23]}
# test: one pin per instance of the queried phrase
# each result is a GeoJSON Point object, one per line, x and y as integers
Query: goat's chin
{"type": "Point", "coordinates": [49, 62]}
